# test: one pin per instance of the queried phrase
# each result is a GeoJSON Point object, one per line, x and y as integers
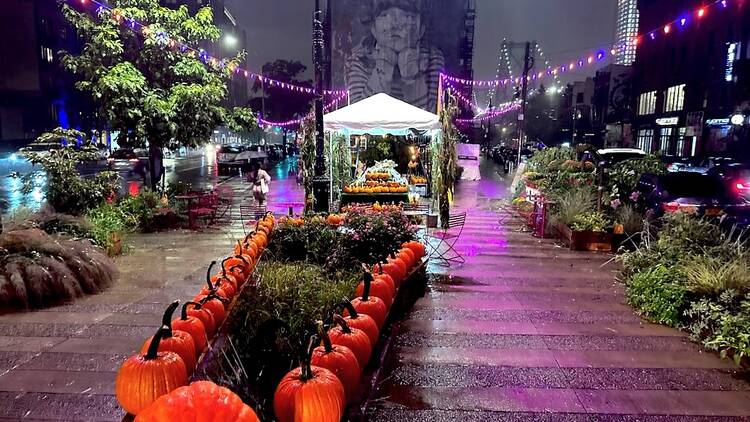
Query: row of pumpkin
{"type": "Point", "coordinates": [318, 390]}
{"type": "Point", "coordinates": [153, 384]}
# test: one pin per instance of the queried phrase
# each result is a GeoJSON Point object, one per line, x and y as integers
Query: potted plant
{"type": "Point", "coordinates": [587, 232]}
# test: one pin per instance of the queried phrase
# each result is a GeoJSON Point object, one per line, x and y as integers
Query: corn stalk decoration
{"type": "Point", "coordinates": [307, 155]}
{"type": "Point", "coordinates": [445, 158]}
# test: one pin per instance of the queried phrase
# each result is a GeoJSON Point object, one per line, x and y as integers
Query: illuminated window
{"type": "Point", "coordinates": [664, 140]}
{"type": "Point", "coordinates": [675, 98]}
{"type": "Point", "coordinates": [647, 103]}
{"type": "Point", "coordinates": [645, 139]}
{"type": "Point", "coordinates": [47, 54]}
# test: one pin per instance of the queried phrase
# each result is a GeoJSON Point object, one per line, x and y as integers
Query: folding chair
{"type": "Point", "coordinates": [204, 208]}
{"type": "Point", "coordinates": [224, 201]}
{"type": "Point", "coordinates": [250, 214]}
{"type": "Point", "coordinates": [448, 237]}
{"type": "Point", "coordinates": [418, 211]}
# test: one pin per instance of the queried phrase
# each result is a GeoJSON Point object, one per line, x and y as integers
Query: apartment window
{"type": "Point", "coordinates": [664, 140]}
{"type": "Point", "coordinates": [645, 139]}
{"type": "Point", "coordinates": [47, 54]}
{"type": "Point", "coordinates": [675, 98]}
{"type": "Point", "coordinates": [647, 103]}
{"type": "Point", "coordinates": [681, 142]}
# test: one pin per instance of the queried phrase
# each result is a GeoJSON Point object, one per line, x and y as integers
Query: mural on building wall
{"type": "Point", "coordinates": [395, 46]}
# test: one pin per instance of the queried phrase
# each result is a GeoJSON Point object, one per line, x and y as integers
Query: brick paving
{"type": "Point", "coordinates": [60, 363]}
{"type": "Point", "coordinates": [529, 331]}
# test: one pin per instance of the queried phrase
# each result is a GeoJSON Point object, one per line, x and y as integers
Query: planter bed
{"type": "Point", "coordinates": [584, 240]}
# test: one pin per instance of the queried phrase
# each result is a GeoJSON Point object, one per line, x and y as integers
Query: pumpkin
{"type": "Point", "coordinates": [177, 341]}
{"type": "Point", "coordinates": [370, 305]}
{"type": "Point", "coordinates": [222, 277]}
{"type": "Point", "coordinates": [362, 321]}
{"type": "Point", "coordinates": [204, 315]}
{"type": "Point", "coordinates": [247, 247]}
{"type": "Point", "coordinates": [201, 400]}
{"type": "Point", "coordinates": [338, 359]}
{"type": "Point", "coordinates": [143, 378]}
{"type": "Point", "coordinates": [220, 291]}
{"type": "Point", "coordinates": [379, 287]}
{"type": "Point", "coordinates": [309, 394]}
{"type": "Point", "coordinates": [417, 247]}
{"type": "Point", "coordinates": [213, 304]}
{"type": "Point", "coordinates": [239, 268]}
{"type": "Point", "coordinates": [400, 268]}
{"type": "Point", "coordinates": [408, 257]}
{"type": "Point", "coordinates": [261, 239]}
{"type": "Point", "coordinates": [193, 326]}
{"type": "Point", "coordinates": [334, 219]}
{"type": "Point", "coordinates": [353, 338]}
{"type": "Point", "coordinates": [389, 268]}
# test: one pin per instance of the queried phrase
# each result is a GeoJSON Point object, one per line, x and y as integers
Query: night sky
{"type": "Point", "coordinates": [566, 29]}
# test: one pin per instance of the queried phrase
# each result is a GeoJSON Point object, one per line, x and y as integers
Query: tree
{"type": "Point", "coordinates": [280, 104]}
{"type": "Point", "coordinates": [144, 80]}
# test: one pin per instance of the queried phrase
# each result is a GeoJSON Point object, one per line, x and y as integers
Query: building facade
{"type": "Point", "coordinates": [691, 87]}
{"type": "Point", "coordinates": [36, 94]}
{"type": "Point", "coordinates": [626, 30]}
{"type": "Point", "coordinates": [612, 104]}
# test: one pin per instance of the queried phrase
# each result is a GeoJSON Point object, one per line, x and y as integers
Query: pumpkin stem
{"type": "Point", "coordinates": [241, 258]}
{"type": "Point", "coordinates": [153, 348]}
{"type": "Point", "coordinates": [184, 315]}
{"type": "Point", "coordinates": [223, 266]}
{"type": "Point", "coordinates": [324, 336]}
{"type": "Point", "coordinates": [208, 276]}
{"type": "Point", "coordinates": [166, 319]}
{"type": "Point", "coordinates": [349, 307]}
{"type": "Point", "coordinates": [342, 323]}
{"type": "Point", "coordinates": [305, 365]}
{"type": "Point", "coordinates": [239, 245]}
{"type": "Point", "coordinates": [368, 282]}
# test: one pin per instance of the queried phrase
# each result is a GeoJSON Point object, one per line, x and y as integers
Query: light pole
{"type": "Point", "coordinates": [321, 183]}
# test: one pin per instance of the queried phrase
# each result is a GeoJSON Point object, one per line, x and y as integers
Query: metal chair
{"type": "Point", "coordinates": [421, 211]}
{"type": "Point", "coordinates": [448, 237]}
{"type": "Point", "coordinates": [203, 209]}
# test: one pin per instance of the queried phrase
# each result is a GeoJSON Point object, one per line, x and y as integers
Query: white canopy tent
{"type": "Point", "coordinates": [380, 114]}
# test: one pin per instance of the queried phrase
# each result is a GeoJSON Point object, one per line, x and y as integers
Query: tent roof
{"type": "Point", "coordinates": [380, 114]}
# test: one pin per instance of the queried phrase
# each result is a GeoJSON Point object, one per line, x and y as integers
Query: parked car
{"type": "Point", "coordinates": [696, 193]}
{"type": "Point", "coordinates": [126, 159]}
{"type": "Point", "coordinates": [229, 157]}
{"type": "Point", "coordinates": [676, 164]}
{"type": "Point", "coordinates": [608, 157]}
{"type": "Point", "coordinates": [706, 164]}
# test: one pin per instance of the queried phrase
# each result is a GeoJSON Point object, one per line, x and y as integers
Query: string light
{"type": "Point", "coordinates": [490, 114]}
{"type": "Point", "coordinates": [190, 51]}
{"type": "Point", "coordinates": [294, 122]}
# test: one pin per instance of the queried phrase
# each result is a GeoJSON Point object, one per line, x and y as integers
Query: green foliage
{"type": "Point", "coordinates": [242, 119]}
{"type": "Point", "coordinates": [106, 220]}
{"type": "Point", "coordinates": [623, 176]}
{"type": "Point", "coordinates": [296, 293]}
{"type": "Point", "coordinates": [542, 160]}
{"type": "Point", "coordinates": [657, 294]}
{"type": "Point", "coordinates": [572, 203]}
{"type": "Point", "coordinates": [630, 218]}
{"type": "Point", "coordinates": [712, 275]}
{"type": "Point", "coordinates": [446, 162]}
{"type": "Point", "coordinates": [722, 324]}
{"type": "Point", "coordinates": [143, 86]}
{"type": "Point", "coordinates": [590, 221]}
{"type": "Point", "coordinates": [378, 149]}
{"type": "Point", "coordinates": [66, 190]}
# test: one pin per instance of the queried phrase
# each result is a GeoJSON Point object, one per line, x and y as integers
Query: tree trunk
{"type": "Point", "coordinates": [155, 165]}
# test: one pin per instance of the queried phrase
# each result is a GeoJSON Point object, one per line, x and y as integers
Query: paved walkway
{"type": "Point", "coordinates": [528, 331]}
{"type": "Point", "coordinates": [60, 363]}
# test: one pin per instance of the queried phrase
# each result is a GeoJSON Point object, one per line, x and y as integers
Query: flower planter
{"type": "Point", "coordinates": [584, 240]}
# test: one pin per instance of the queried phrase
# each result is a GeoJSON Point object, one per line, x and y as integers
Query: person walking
{"type": "Point", "coordinates": [261, 182]}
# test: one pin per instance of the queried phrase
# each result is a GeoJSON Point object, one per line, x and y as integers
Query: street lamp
{"type": "Point", "coordinates": [230, 40]}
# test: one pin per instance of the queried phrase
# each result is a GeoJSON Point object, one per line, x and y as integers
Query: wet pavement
{"type": "Point", "coordinates": [60, 363]}
{"type": "Point", "coordinates": [529, 331]}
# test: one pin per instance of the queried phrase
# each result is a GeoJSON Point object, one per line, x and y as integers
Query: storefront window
{"type": "Point", "coordinates": [681, 143]}
{"type": "Point", "coordinates": [665, 137]}
{"type": "Point", "coordinates": [645, 139]}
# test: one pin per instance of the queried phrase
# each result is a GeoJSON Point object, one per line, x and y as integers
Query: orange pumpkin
{"type": "Point", "coordinates": [408, 257]}
{"type": "Point", "coordinates": [370, 305]}
{"type": "Point", "coordinates": [177, 341]}
{"type": "Point", "coordinates": [201, 400]}
{"type": "Point", "coordinates": [353, 338]}
{"type": "Point", "coordinates": [143, 378]}
{"type": "Point", "coordinates": [213, 304]}
{"type": "Point", "coordinates": [193, 326]}
{"type": "Point", "coordinates": [338, 359]}
{"type": "Point", "coordinates": [309, 394]}
{"type": "Point", "coordinates": [417, 247]}
{"type": "Point", "coordinates": [204, 315]}
{"type": "Point", "coordinates": [362, 321]}
{"type": "Point", "coordinates": [390, 268]}
{"type": "Point", "coordinates": [379, 287]}
{"type": "Point", "coordinates": [401, 268]}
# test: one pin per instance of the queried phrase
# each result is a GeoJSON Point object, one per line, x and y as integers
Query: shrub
{"type": "Point", "coordinates": [712, 275]}
{"type": "Point", "coordinates": [722, 324]}
{"type": "Point", "coordinates": [541, 160]}
{"type": "Point", "coordinates": [105, 220]}
{"type": "Point", "coordinates": [623, 176]}
{"type": "Point", "coordinates": [630, 218]}
{"type": "Point", "coordinates": [590, 221]}
{"type": "Point", "coordinates": [572, 203]}
{"type": "Point", "coordinates": [656, 293]}
{"type": "Point", "coordinates": [37, 269]}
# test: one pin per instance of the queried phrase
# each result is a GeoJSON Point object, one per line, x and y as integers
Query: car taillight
{"type": "Point", "coordinates": [743, 186]}
{"type": "Point", "coordinates": [670, 207]}
{"type": "Point", "coordinates": [109, 160]}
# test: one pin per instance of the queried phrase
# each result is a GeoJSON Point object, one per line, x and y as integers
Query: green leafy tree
{"type": "Point", "coordinates": [66, 191]}
{"type": "Point", "coordinates": [144, 83]}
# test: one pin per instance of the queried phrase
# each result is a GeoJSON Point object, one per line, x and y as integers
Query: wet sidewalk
{"type": "Point", "coordinates": [528, 331]}
{"type": "Point", "coordinates": [60, 363]}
